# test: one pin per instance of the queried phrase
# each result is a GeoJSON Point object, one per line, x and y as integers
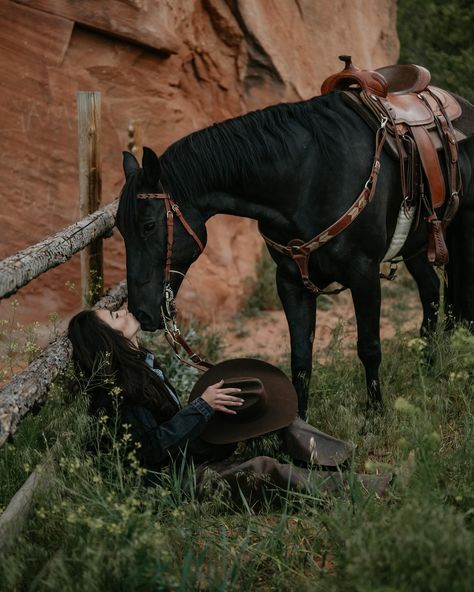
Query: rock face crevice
{"type": "Point", "coordinates": [260, 67]}
{"type": "Point", "coordinates": [175, 67]}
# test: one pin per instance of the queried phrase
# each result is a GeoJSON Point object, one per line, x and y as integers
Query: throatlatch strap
{"type": "Point", "coordinates": [188, 228]}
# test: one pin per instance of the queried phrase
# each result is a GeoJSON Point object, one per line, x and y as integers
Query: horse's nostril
{"type": "Point", "coordinates": [147, 322]}
{"type": "Point", "coordinates": [142, 317]}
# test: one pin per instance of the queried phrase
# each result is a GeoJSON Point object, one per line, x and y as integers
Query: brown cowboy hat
{"type": "Point", "coordinates": [270, 400]}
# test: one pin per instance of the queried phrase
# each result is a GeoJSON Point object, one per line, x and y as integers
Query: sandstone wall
{"type": "Point", "coordinates": [176, 66]}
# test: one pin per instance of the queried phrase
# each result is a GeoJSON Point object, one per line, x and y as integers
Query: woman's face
{"type": "Point", "coordinates": [121, 320]}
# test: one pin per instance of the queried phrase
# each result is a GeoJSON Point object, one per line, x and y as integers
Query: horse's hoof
{"type": "Point", "coordinates": [374, 407]}
{"type": "Point", "coordinates": [374, 412]}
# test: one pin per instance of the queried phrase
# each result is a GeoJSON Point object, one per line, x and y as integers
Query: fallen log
{"type": "Point", "coordinates": [19, 269]}
{"type": "Point", "coordinates": [29, 388]}
{"type": "Point", "coordinates": [15, 515]}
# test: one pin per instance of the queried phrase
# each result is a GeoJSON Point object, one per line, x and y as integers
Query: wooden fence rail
{"type": "Point", "coordinates": [29, 388]}
{"type": "Point", "coordinates": [15, 515]}
{"type": "Point", "coordinates": [19, 269]}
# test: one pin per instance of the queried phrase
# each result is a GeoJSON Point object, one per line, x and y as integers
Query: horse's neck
{"type": "Point", "coordinates": [235, 205]}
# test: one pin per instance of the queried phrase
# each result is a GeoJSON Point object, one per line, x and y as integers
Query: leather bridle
{"type": "Point", "coordinates": [172, 208]}
{"type": "Point", "coordinates": [169, 310]}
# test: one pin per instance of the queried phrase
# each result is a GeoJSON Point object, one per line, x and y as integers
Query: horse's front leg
{"type": "Point", "coordinates": [366, 297]}
{"type": "Point", "coordinates": [300, 310]}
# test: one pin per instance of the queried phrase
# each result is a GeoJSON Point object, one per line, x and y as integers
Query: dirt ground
{"type": "Point", "coordinates": [267, 333]}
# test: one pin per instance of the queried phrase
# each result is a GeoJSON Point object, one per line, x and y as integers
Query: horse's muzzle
{"type": "Point", "coordinates": [147, 322]}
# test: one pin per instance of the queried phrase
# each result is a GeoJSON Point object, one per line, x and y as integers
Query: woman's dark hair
{"type": "Point", "coordinates": [110, 359]}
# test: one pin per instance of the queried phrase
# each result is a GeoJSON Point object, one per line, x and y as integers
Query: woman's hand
{"type": "Point", "coordinates": [221, 398]}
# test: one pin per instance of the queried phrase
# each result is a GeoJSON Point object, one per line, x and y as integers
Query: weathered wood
{"type": "Point", "coordinates": [29, 388]}
{"type": "Point", "coordinates": [15, 515]}
{"type": "Point", "coordinates": [90, 189]}
{"type": "Point", "coordinates": [135, 138]}
{"type": "Point", "coordinates": [19, 269]}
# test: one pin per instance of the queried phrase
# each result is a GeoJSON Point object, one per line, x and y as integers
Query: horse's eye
{"type": "Point", "coordinates": [148, 227]}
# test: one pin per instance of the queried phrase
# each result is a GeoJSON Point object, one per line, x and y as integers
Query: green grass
{"type": "Point", "coordinates": [99, 528]}
{"type": "Point", "coordinates": [262, 288]}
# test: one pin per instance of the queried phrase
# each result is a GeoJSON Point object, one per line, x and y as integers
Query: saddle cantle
{"type": "Point", "coordinates": [419, 118]}
{"type": "Point", "coordinates": [405, 78]}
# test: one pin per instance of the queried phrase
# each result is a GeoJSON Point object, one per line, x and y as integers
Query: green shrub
{"type": "Point", "coordinates": [438, 35]}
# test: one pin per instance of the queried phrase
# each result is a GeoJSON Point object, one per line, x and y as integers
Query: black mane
{"type": "Point", "coordinates": [232, 150]}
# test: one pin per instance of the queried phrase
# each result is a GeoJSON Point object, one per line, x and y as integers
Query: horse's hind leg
{"type": "Point", "coordinates": [428, 285]}
{"type": "Point", "coordinates": [459, 293]}
{"type": "Point", "coordinates": [300, 310]}
{"type": "Point", "coordinates": [366, 297]}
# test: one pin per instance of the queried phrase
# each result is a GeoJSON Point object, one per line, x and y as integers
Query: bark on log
{"type": "Point", "coordinates": [19, 269]}
{"type": "Point", "coordinates": [15, 515]}
{"type": "Point", "coordinates": [29, 388]}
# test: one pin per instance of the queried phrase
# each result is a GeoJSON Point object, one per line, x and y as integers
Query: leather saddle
{"type": "Point", "coordinates": [420, 119]}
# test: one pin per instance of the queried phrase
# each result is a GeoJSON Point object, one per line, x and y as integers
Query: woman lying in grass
{"type": "Point", "coordinates": [234, 401]}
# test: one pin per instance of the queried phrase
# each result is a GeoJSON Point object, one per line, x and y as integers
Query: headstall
{"type": "Point", "coordinates": [169, 310]}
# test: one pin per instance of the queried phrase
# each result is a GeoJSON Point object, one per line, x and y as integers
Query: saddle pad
{"type": "Point", "coordinates": [404, 222]}
{"type": "Point", "coordinates": [465, 123]}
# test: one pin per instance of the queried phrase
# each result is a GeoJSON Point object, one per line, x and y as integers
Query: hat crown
{"type": "Point", "coordinates": [270, 400]}
{"type": "Point", "coordinates": [252, 392]}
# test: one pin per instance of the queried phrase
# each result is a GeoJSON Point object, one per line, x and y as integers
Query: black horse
{"type": "Point", "coordinates": [296, 168]}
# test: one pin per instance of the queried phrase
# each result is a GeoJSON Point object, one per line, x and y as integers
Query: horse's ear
{"type": "Point", "coordinates": [151, 166]}
{"type": "Point", "coordinates": [130, 164]}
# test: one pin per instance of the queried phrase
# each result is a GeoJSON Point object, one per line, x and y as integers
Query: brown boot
{"type": "Point", "coordinates": [304, 442]}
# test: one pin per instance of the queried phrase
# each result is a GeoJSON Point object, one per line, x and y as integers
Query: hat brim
{"type": "Point", "coordinates": [280, 412]}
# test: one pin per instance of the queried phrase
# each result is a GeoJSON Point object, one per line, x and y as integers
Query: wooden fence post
{"type": "Point", "coordinates": [135, 139]}
{"type": "Point", "coordinates": [90, 185]}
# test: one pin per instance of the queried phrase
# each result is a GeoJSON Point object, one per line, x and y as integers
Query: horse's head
{"type": "Point", "coordinates": [142, 219]}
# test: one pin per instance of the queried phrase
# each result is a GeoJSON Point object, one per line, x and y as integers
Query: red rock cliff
{"type": "Point", "coordinates": [175, 66]}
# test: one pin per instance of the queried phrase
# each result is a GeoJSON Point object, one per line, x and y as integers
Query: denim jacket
{"type": "Point", "coordinates": [159, 442]}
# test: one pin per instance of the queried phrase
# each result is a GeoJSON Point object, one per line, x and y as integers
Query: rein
{"type": "Point", "coordinates": [300, 251]}
{"type": "Point", "coordinates": [169, 311]}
